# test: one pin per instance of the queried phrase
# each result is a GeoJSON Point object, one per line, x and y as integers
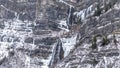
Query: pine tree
{"type": "Point", "coordinates": [114, 39]}
{"type": "Point", "coordinates": [105, 41]}
{"type": "Point", "coordinates": [94, 44]}
{"type": "Point", "coordinates": [98, 11]}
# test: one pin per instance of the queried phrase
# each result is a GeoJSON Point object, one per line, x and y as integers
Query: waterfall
{"type": "Point", "coordinates": [69, 16]}
{"type": "Point", "coordinates": [58, 54]}
{"type": "Point", "coordinates": [70, 12]}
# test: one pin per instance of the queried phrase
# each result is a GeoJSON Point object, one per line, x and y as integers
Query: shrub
{"type": "Point", "coordinates": [114, 39]}
{"type": "Point", "coordinates": [107, 6]}
{"type": "Point", "coordinates": [98, 11]}
{"type": "Point", "coordinates": [95, 62]}
{"type": "Point", "coordinates": [94, 44]}
{"type": "Point", "coordinates": [105, 41]}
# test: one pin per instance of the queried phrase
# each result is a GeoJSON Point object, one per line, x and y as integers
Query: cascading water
{"type": "Point", "coordinates": [58, 54]}
{"type": "Point", "coordinates": [64, 45]}
{"type": "Point", "coordinates": [69, 16]}
{"type": "Point", "coordinates": [70, 13]}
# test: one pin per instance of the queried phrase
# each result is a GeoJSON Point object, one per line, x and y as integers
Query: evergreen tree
{"type": "Point", "coordinates": [105, 41]}
{"type": "Point", "coordinates": [94, 44]}
{"type": "Point", "coordinates": [98, 11]}
{"type": "Point", "coordinates": [114, 39]}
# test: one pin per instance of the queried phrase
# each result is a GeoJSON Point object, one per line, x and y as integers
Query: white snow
{"type": "Point", "coordinates": [3, 50]}
{"type": "Point", "coordinates": [83, 14]}
{"type": "Point", "coordinates": [63, 25]}
{"type": "Point", "coordinates": [104, 26]}
{"type": "Point", "coordinates": [11, 31]}
{"type": "Point", "coordinates": [66, 3]}
{"type": "Point", "coordinates": [105, 60]}
{"type": "Point", "coordinates": [27, 61]}
{"type": "Point", "coordinates": [48, 60]}
{"type": "Point", "coordinates": [117, 6]}
{"type": "Point", "coordinates": [68, 44]}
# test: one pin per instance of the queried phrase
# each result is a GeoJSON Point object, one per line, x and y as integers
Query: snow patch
{"type": "Point", "coordinates": [117, 6]}
{"type": "Point", "coordinates": [63, 25]}
{"type": "Point", "coordinates": [27, 62]}
{"type": "Point", "coordinates": [104, 26]}
{"type": "Point", "coordinates": [68, 44]}
{"type": "Point", "coordinates": [48, 60]}
{"type": "Point", "coordinates": [66, 3]}
{"type": "Point", "coordinates": [83, 14]}
{"type": "Point", "coordinates": [3, 50]}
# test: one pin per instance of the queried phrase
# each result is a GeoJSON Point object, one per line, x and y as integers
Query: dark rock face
{"type": "Point", "coordinates": [41, 24]}
{"type": "Point", "coordinates": [48, 40]}
{"type": "Point", "coordinates": [53, 26]}
{"type": "Point", "coordinates": [2, 25]}
{"type": "Point", "coordinates": [29, 40]}
{"type": "Point", "coordinates": [9, 15]}
{"type": "Point", "coordinates": [52, 12]}
{"type": "Point", "coordinates": [2, 61]}
{"type": "Point", "coordinates": [37, 41]}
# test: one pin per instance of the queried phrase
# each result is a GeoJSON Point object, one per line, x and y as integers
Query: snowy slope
{"type": "Point", "coordinates": [85, 13]}
{"type": "Point", "coordinates": [68, 44]}
{"type": "Point", "coordinates": [83, 56]}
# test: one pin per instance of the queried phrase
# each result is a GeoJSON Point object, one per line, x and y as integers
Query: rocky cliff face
{"type": "Point", "coordinates": [59, 33]}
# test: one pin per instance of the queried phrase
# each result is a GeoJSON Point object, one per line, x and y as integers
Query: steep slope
{"type": "Point", "coordinates": [103, 57]}
{"type": "Point", "coordinates": [102, 24]}
{"type": "Point", "coordinates": [58, 33]}
{"type": "Point", "coordinates": [29, 40]}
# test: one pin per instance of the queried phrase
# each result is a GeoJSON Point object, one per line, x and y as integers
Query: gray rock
{"type": "Point", "coordinates": [29, 40]}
